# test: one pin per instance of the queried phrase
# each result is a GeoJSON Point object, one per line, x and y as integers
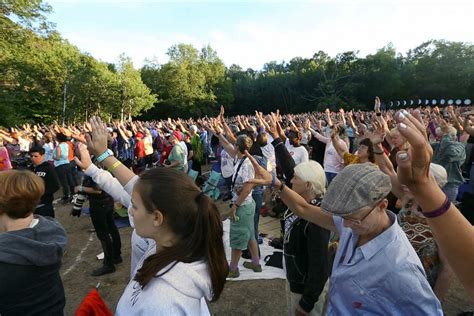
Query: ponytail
{"type": "Point", "coordinates": [195, 220]}
{"type": "Point", "coordinates": [211, 229]}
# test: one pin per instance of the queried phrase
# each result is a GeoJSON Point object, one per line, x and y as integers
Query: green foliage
{"type": "Point", "coordinates": [189, 84]}
{"type": "Point", "coordinates": [38, 68]}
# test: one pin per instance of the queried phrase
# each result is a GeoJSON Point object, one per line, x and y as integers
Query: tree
{"type": "Point", "coordinates": [189, 84]}
{"type": "Point", "coordinates": [136, 97]}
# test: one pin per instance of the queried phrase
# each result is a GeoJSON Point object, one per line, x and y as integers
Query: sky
{"type": "Point", "coordinates": [251, 33]}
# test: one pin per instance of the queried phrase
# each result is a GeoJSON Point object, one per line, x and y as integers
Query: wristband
{"type": "Point", "coordinates": [273, 181]}
{"type": "Point", "coordinates": [281, 188]}
{"type": "Point", "coordinates": [115, 165]}
{"type": "Point", "coordinates": [104, 155]}
{"type": "Point", "coordinates": [439, 211]}
{"type": "Point", "coordinates": [378, 152]}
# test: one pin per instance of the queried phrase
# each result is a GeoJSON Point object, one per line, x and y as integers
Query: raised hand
{"type": "Point", "coordinates": [377, 104]}
{"type": "Point", "coordinates": [84, 161]}
{"type": "Point", "coordinates": [414, 164]}
{"type": "Point", "coordinates": [272, 128]}
{"type": "Point", "coordinates": [378, 135]}
{"type": "Point", "coordinates": [97, 141]}
{"type": "Point", "coordinates": [221, 113]}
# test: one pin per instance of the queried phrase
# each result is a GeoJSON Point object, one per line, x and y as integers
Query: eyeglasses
{"type": "Point", "coordinates": [359, 221]}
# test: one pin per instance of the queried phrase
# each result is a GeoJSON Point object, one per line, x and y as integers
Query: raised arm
{"type": "Point", "coordinates": [336, 142]}
{"type": "Point", "coordinates": [227, 131]}
{"type": "Point", "coordinates": [97, 144]}
{"type": "Point", "coordinates": [292, 199]}
{"type": "Point", "coordinates": [457, 123]}
{"type": "Point", "coordinates": [320, 137]}
{"type": "Point", "coordinates": [287, 163]}
{"type": "Point", "coordinates": [6, 137]}
{"type": "Point", "coordinates": [452, 232]}
{"type": "Point", "coordinates": [217, 130]}
{"type": "Point", "coordinates": [328, 117]}
{"type": "Point", "coordinates": [341, 113]}
{"type": "Point", "coordinates": [468, 127]}
{"type": "Point", "coordinates": [377, 105]}
{"type": "Point", "coordinates": [280, 131]}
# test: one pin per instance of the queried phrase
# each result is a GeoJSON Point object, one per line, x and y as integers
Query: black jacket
{"type": "Point", "coordinates": [30, 259]}
{"type": "Point", "coordinates": [51, 183]}
{"type": "Point", "coordinates": [284, 159]}
{"type": "Point", "coordinates": [318, 149]}
{"type": "Point", "coordinates": [97, 201]}
{"type": "Point", "coordinates": [305, 248]}
{"type": "Point", "coordinates": [305, 245]}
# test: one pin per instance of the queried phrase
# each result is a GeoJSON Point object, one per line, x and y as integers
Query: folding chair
{"type": "Point", "coordinates": [193, 174]}
{"type": "Point", "coordinates": [211, 186]}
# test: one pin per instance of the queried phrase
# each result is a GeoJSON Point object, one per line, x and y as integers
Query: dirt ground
{"type": "Point", "coordinates": [260, 297]}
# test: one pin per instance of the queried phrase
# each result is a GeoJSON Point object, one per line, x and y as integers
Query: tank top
{"type": "Point", "coordinates": [64, 157]}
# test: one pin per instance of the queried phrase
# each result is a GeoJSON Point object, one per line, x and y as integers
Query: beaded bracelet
{"type": "Point", "coordinates": [439, 211]}
{"type": "Point", "coordinates": [281, 188]}
{"type": "Point", "coordinates": [115, 165]}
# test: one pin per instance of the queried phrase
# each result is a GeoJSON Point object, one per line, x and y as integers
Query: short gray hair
{"type": "Point", "coordinates": [312, 172]}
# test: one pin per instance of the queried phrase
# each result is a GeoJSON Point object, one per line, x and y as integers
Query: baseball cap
{"type": "Point", "coordinates": [355, 187]}
{"type": "Point", "coordinates": [178, 135]}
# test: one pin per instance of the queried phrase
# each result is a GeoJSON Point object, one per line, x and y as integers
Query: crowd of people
{"type": "Point", "coordinates": [375, 207]}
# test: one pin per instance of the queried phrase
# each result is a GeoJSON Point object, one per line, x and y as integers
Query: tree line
{"type": "Point", "coordinates": [40, 72]}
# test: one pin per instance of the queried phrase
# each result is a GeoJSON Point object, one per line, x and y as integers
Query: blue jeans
{"type": "Point", "coordinates": [451, 191]}
{"type": "Point", "coordinates": [157, 155]}
{"type": "Point", "coordinates": [258, 198]}
{"type": "Point", "coordinates": [329, 177]}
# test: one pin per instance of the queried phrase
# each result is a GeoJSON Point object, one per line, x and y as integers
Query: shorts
{"type": "Point", "coordinates": [242, 231]}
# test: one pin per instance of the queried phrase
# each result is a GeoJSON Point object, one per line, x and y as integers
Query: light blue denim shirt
{"type": "Point", "coordinates": [381, 277]}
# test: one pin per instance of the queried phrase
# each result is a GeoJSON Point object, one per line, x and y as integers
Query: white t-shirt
{"type": "Point", "coordinates": [332, 161]}
{"type": "Point", "coordinates": [246, 173]}
{"type": "Point", "coordinates": [269, 153]}
{"type": "Point", "coordinates": [24, 144]}
{"type": "Point", "coordinates": [227, 164]}
{"type": "Point", "coordinates": [48, 151]}
{"type": "Point", "coordinates": [148, 144]}
{"type": "Point", "coordinates": [185, 150]}
{"type": "Point", "coordinates": [306, 136]}
{"type": "Point", "coordinates": [299, 154]}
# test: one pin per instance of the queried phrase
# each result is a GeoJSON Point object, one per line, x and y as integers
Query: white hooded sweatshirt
{"type": "Point", "coordinates": [180, 291]}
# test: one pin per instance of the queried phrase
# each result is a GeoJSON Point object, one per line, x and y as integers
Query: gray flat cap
{"type": "Point", "coordinates": [355, 187]}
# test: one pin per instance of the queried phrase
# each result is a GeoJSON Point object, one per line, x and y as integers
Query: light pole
{"type": "Point", "coordinates": [64, 101]}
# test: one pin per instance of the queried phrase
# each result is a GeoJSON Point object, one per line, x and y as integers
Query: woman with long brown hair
{"type": "Point", "coordinates": [188, 262]}
{"type": "Point", "coordinates": [185, 263]}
